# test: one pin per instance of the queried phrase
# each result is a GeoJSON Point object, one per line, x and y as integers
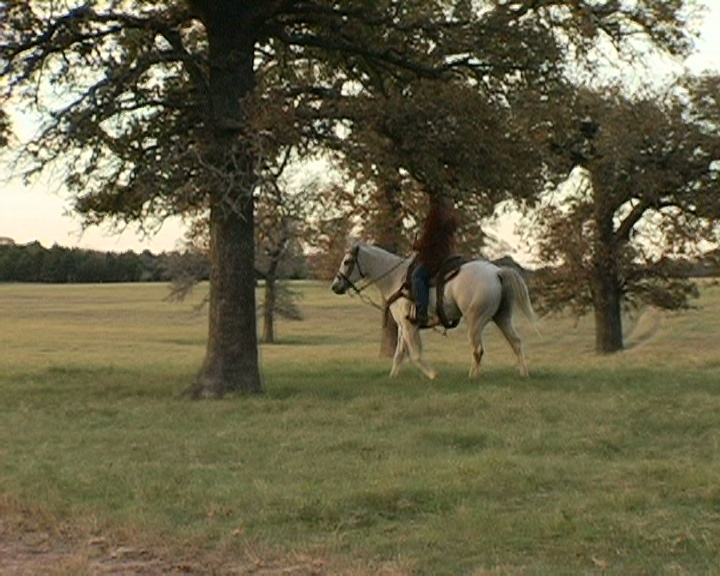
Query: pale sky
{"type": "Point", "coordinates": [35, 213]}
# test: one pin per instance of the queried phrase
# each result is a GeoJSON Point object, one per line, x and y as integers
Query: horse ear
{"type": "Point", "coordinates": [351, 241]}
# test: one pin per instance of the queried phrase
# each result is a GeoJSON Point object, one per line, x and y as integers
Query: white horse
{"type": "Point", "coordinates": [480, 292]}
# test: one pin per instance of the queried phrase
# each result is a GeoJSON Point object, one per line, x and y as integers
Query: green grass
{"type": "Point", "coordinates": [596, 465]}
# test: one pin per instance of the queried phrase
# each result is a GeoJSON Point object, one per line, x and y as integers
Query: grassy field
{"type": "Point", "coordinates": [595, 465]}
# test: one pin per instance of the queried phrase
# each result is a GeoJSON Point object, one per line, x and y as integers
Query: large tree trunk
{"type": "Point", "coordinates": [231, 361]}
{"type": "Point", "coordinates": [608, 320]}
{"type": "Point", "coordinates": [607, 302]}
{"type": "Point", "coordinates": [605, 282]}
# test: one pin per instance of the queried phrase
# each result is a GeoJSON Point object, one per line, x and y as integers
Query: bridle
{"type": "Point", "coordinates": [345, 276]}
{"type": "Point", "coordinates": [355, 262]}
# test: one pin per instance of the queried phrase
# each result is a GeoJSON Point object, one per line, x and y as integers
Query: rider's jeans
{"type": "Point", "coordinates": [421, 284]}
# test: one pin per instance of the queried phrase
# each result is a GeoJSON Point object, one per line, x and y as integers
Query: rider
{"type": "Point", "coordinates": [436, 243]}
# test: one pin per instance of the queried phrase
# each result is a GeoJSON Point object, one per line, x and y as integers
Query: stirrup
{"type": "Point", "coordinates": [421, 321]}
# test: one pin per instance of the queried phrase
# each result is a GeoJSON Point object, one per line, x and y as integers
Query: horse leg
{"type": "Point", "coordinates": [504, 322]}
{"type": "Point", "coordinates": [400, 353]}
{"type": "Point", "coordinates": [411, 335]}
{"type": "Point", "coordinates": [478, 352]}
{"type": "Point", "coordinates": [475, 330]}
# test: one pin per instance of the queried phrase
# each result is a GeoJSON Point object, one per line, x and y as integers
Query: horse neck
{"type": "Point", "coordinates": [385, 269]}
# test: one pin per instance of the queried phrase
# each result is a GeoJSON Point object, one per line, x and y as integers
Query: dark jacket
{"type": "Point", "coordinates": [437, 241]}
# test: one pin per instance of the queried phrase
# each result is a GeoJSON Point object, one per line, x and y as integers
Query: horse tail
{"type": "Point", "coordinates": [515, 293]}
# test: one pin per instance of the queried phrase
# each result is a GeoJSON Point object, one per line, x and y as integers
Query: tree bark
{"type": "Point", "coordinates": [231, 360]}
{"type": "Point", "coordinates": [605, 286]}
{"type": "Point", "coordinates": [605, 282]}
{"type": "Point", "coordinates": [607, 301]}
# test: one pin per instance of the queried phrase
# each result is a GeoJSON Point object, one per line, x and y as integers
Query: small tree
{"type": "Point", "coordinates": [648, 188]}
{"type": "Point", "coordinates": [279, 228]}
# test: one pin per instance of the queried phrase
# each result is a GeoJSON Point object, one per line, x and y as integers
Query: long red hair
{"type": "Point", "coordinates": [437, 240]}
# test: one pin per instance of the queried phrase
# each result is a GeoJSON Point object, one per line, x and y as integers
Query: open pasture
{"type": "Point", "coordinates": [595, 465]}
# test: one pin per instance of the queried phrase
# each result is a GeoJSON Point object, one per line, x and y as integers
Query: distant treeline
{"type": "Point", "coordinates": [58, 265]}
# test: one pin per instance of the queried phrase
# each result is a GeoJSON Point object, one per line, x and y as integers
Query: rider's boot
{"type": "Point", "coordinates": [421, 319]}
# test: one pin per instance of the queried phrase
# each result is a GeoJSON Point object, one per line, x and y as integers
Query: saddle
{"type": "Point", "coordinates": [449, 268]}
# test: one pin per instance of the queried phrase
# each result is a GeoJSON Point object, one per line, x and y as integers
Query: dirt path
{"type": "Point", "coordinates": [35, 553]}
{"type": "Point", "coordinates": [39, 555]}
{"type": "Point", "coordinates": [33, 546]}
{"type": "Point", "coordinates": [26, 549]}
{"type": "Point", "coordinates": [25, 553]}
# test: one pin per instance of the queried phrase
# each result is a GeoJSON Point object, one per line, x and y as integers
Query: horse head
{"type": "Point", "coordinates": [349, 271]}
